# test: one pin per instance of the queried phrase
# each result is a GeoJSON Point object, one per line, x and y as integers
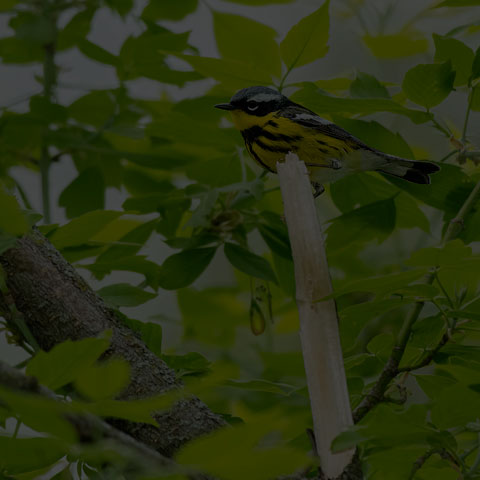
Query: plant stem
{"type": "Point", "coordinates": [284, 78]}
{"type": "Point", "coordinates": [439, 127]}
{"type": "Point", "coordinates": [17, 428]}
{"type": "Point", "coordinates": [476, 462]}
{"type": "Point", "coordinates": [446, 157]}
{"type": "Point", "coordinates": [467, 115]}
{"type": "Point", "coordinates": [456, 223]}
{"type": "Point", "coordinates": [377, 393]}
{"type": "Point", "coordinates": [391, 370]}
{"type": "Point", "coordinates": [49, 81]}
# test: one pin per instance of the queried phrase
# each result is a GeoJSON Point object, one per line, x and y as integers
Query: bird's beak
{"type": "Point", "coordinates": [225, 106]}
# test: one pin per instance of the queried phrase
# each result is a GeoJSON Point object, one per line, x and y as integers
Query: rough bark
{"type": "Point", "coordinates": [57, 304]}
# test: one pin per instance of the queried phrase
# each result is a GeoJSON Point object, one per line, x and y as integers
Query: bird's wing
{"type": "Point", "coordinates": [307, 118]}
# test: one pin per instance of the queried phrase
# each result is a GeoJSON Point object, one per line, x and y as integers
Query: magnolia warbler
{"type": "Point", "coordinates": [272, 125]}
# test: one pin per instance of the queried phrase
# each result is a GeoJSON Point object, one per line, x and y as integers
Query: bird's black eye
{"type": "Point", "coordinates": [252, 106]}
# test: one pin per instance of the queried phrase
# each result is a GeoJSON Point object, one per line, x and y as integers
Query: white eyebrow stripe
{"type": "Point", "coordinates": [265, 97]}
{"type": "Point", "coordinates": [312, 118]}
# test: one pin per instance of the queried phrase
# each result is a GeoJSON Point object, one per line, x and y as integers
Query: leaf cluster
{"type": "Point", "coordinates": [192, 198]}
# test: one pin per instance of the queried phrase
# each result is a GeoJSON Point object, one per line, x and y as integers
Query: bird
{"type": "Point", "coordinates": [272, 125]}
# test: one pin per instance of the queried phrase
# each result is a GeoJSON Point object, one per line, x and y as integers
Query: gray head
{"type": "Point", "coordinates": [257, 101]}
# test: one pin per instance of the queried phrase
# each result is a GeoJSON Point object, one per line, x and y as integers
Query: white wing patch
{"type": "Point", "coordinates": [265, 97]}
{"type": "Point", "coordinates": [311, 118]}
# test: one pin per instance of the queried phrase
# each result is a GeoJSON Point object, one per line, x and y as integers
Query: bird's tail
{"type": "Point", "coordinates": [411, 170]}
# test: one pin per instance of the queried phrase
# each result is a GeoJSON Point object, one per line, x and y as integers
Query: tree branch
{"type": "Point", "coordinates": [88, 427]}
{"type": "Point", "coordinates": [391, 369]}
{"type": "Point", "coordinates": [57, 304]}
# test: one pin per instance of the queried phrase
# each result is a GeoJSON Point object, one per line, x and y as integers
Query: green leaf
{"type": "Point", "coordinates": [460, 56]}
{"type": "Point", "coordinates": [216, 171]}
{"type": "Point", "coordinates": [41, 414]}
{"type": "Point", "coordinates": [262, 386]}
{"type": "Point", "coordinates": [355, 317]}
{"type": "Point", "coordinates": [360, 189]}
{"type": "Point", "coordinates": [374, 221]}
{"type": "Point", "coordinates": [64, 474]}
{"type": "Point", "coordinates": [311, 97]}
{"type": "Point", "coordinates": [94, 108]}
{"type": "Point", "coordinates": [256, 3]}
{"type": "Point", "coordinates": [463, 357]}
{"type": "Point", "coordinates": [465, 314]}
{"type": "Point", "coordinates": [403, 44]}
{"type": "Point", "coordinates": [151, 334]}
{"type": "Point", "coordinates": [104, 380]}
{"type": "Point", "coordinates": [12, 219]}
{"type": "Point", "coordinates": [409, 214]}
{"type": "Point", "coordinates": [231, 73]}
{"type": "Point", "coordinates": [366, 85]}
{"type": "Point", "coordinates": [239, 458]}
{"type": "Point", "coordinates": [143, 57]}
{"type": "Point", "coordinates": [37, 29]}
{"type": "Point", "coordinates": [307, 40]}
{"type": "Point", "coordinates": [277, 240]}
{"type": "Point", "coordinates": [122, 7]}
{"type": "Point", "coordinates": [6, 242]}
{"type": "Point", "coordinates": [85, 193]}
{"type": "Point", "coordinates": [238, 38]}
{"type": "Point", "coordinates": [475, 101]}
{"type": "Point", "coordinates": [285, 273]}
{"type": "Point", "coordinates": [7, 4]}
{"type": "Point", "coordinates": [459, 3]}
{"type": "Point", "coordinates": [125, 295]}
{"type": "Point", "coordinates": [97, 53]}
{"type": "Point", "coordinates": [191, 363]}
{"type": "Point", "coordinates": [64, 362]}
{"type": "Point", "coordinates": [20, 455]}
{"type": "Point", "coordinates": [16, 50]}
{"type": "Point", "coordinates": [201, 216]}
{"type": "Point", "coordinates": [449, 412]}
{"type": "Point", "coordinates": [452, 254]}
{"type": "Point", "coordinates": [248, 262]}
{"type": "Point", "coordinates": [275, 234]}
{"type": "Point", "coordinates": [429, 84]}
{"type": "Point", "coordinates": [382, 285]}
{"type": "Point", "coordinates": [129, 244]}
{"type": "Point", "coordinates": [336, 84]}
{"type": "Point", "coordinates": [427, 333]}
{"type": "Point", "coordinates": [204, 314]}
{"type": "Point", "coordinates": [168, 9]}
{"type": "Point", "coordinates": [183, 268]}
{"type": "Point", "coordinates": [47, 111]}
{"type": "Point", "coordinates": [433, 385]}
{"type": "Point", "coordinates": [449, 189]}
{"type": "Point", "coordinates": [76, 29]}
{"type": "Point", "coordinates": [138, 264]}
{"type": "Point", "coordinates": [476, 65]}
{"type": "Point", "coordinates": [375, 135]}
{"type": "Point", "coordinates": [381, 345]}
{"type": "Point", "coordinates": [81, 229]}
{"type": "Point", "coordinates": [348, 439]}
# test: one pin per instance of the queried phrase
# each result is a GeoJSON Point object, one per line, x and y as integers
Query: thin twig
{"type": "Point", "coordinates": [377, 393]}
{"type": "Point", "coordinates": [420, 461]}
{"type": "Point", "coordinates": [476, 462]}
{"type": "Point", "coordinates": [467, 115]}
{"type": "Point", "coordinates": [49, 82]}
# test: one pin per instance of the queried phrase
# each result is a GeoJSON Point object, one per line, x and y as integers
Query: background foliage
{"type": "Point", "coordinates": [189, 192]}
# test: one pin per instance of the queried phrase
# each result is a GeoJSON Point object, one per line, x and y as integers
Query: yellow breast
{"type": "Point", "coordinates": [269, 138]}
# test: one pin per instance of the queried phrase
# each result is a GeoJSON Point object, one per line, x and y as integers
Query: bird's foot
{"type": "Point", "coordinates": [318, 189]}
